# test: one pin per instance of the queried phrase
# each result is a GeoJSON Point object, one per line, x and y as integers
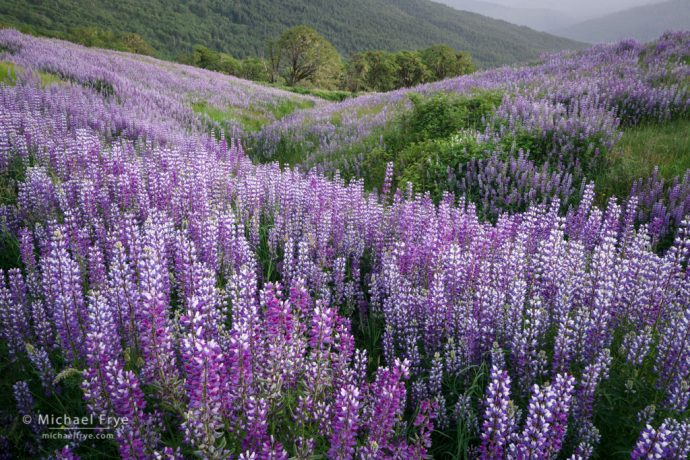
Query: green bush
{"type": "Point", "coordinates": [443, 115]}
{"type": "Point", "coordinates": [105, 38]}
{"type": "Point", "coordinates": [254, 69]}
{"type": "Point", "coordinates": [427, 164]}
{"type": "Point", "coordinates": [440, 132]}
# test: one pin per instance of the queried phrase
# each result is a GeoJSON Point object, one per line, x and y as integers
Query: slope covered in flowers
{"type": "Point", "coordinates": [628, 81]}
{"type": "Point", "coordinates": [539, 133]}
{"type": "Point", "coordinates": [232, 309]}
{"type": "Point", "coordinates": [150, 95]}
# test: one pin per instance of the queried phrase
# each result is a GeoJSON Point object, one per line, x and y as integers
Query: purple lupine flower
{"type": "Point", "coordinates": [206, 385]}
{"type": "Point", "coordinates": [97, 274]}
{"type": "Point", "coordinates": [43, 327]}
{"type": "Point", "coordinates": [321, 333]}
{"type": "Point", "coordinates": [438, 305]}
{"type": "Point", "coordinates": [185, 260]}
{"type": "Point", "coordinates": [589, 437]}
{"type": "Point", "coordinates": [136, 438]}
{"type": "Point", "coordinates": [62, 288]}
{"type": "Point", "coordinates": [673, 359]}
{"type": "Point", "coordinates": [387, 180]}
{"type": "Point", "coordinates": [203, 313]}
{"type": "Point", "coordinates": [240, 370]}
{"type": "Point", "coordinates": [41, 361]}
{"type": "Point", "coordinates": [339, 267]}
{"type": "Point", "coordinates": [168, 453]}
{"type": "Point", "coordinates": [435, 391]}
{"type": "Point", "coordinates": [345, 423]}
{"type": "Point", "coordinates": [423, 422]}
{"type": "Point", "coordinates": [636, 345]}
{"type": "Point", "coordinates": [66, 453]}
{"type": "Point", "coordinates": [386, 404]}
{"type": "Point", "coordinates": [652, 443]}
{"type": "Point", "coordinates": [561, 392]}
{"type": "Point", "coordinates": [586, 388]}
{"type": "Point", "coordinates": [26, 249]}
{"type": "Point", "coordinates": [141, 169]}
{"type": "Point", "coordinates": [25, 404]}
{"type": "Point", "coordinates": [14, 321]}
{"type": "Point", "coordinates": [533, 442]}
{"type": "Point", "coordinates": [244, 300]}
{"type": "Point", "coordinates": [155, 336]}
{"type": "Point", "coordinates": [255, 423]}
{"type": "Point", "coordinates": [526, 340]}
{"type": "Point", "coordinates": [679, 445]}
{"type": "Point", "coordinates": [122, 293]}
{"type": "Point", "coordinates": [23, 398]}
{"type": "Point", "coordinates": [343, 352]}
{"type": "Point", "coordinates": [102, 347]}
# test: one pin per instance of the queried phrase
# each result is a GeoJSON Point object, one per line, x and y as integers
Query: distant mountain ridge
{"type": "Point", "coordinates": [241, 27]}
{"type": "Point", "coordinates": [543, 19]}
{"type": "Point", "coordinates": [644, 23]}
{"type": "Point", "coordinates": [581, 10]}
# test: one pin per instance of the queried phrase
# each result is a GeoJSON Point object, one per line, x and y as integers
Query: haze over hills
{"type": "Point", "coordinates": [580, 10]}
{"type": "Point", "coordinates": [588, 21]}
{"type": "Point", "coordinates": [543, 19]}
{"type": "Point", "coordinates": [644, 23]}
{"type": "Point", "coordinates": [242, 27]}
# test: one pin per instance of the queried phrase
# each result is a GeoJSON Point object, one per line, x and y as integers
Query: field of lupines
{"type": "Point", "coordinates": [195, 303]}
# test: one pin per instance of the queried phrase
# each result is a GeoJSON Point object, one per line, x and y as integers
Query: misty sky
{"type": "Point", "coordinates": [580, 8]}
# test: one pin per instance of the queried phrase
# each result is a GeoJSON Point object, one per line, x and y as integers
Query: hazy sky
{"type": "Point", "coordinates": [578, 7]}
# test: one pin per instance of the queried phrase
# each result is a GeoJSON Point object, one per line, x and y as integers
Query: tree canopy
{"type": "Point", "coordinates": [304, 54]}
{"type": "Point", "coordinates": [384, 71]}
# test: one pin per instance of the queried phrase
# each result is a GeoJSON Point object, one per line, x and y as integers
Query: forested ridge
{"type": "Point", "coordinates": [241, 28]}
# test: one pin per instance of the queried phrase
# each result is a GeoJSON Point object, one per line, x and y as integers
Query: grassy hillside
{"type": "Point", "coordinates": [641, 149]}
{"type": "Point", "coordinates": [643, 23]}
{"type": "Point", "coordinates": [242, 27]}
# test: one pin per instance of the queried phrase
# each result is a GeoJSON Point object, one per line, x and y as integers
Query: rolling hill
{"type": "Point", "coordinates": [643, 23]}
{"type": "Point", "coordinates": [241, 27]}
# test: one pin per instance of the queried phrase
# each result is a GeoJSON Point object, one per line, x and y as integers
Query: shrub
{"type": "Point", "coordinates": [439, 134]}
{"type": "Point", "coordinates": [443, 115]}
{"type": "Point", "coordinates": [429, 165]}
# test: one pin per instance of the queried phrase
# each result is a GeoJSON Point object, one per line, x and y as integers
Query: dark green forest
{"type": "Point", "coordinates": [242, 27]}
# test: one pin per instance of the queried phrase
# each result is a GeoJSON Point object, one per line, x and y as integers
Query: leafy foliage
{"type": "Point", "coordinates": [445, 114]}
{"type": "Point", "coordinates": [438, 134]}
{"type": "Point", "coordinates": [103, 38]}
{"type": "Point", "coordinates": [444, 62]}
{"type": "Point", "coordinates": [250, 68]}
{"type": "Point", "coordinates": [382, 71]}
{"type": "Point", "coordinates": [303, 54]}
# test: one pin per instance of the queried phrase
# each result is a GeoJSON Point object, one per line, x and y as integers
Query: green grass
{"type": "Point", "coordinates": [249, 119]}
{"type": "Point", "coordinates": [626, 392]}
{"type": "Point", "coordinates": [8, 75]}
{"type": "Point", "coordinates": [364, 111]}
{"type": "Point", "coordinates": [287, 106]}
{"type": "Point", "coordinates": [329, 95]}
{"type": "Point", "coordinates": [48, 79]}
{"type": "Point", "coordinates": [640, 150]}
{"type": "Point", "coordinates": [253, 118]}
